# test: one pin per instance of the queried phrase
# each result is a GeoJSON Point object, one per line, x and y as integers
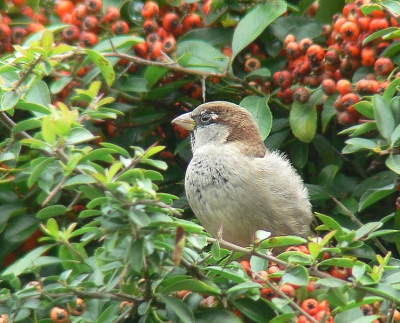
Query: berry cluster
{"type": "Point", "coordinates": [62, 315]}
{"type": "Point", "coordinates": [333, 66]}
{"type": "Point", "coordinates": [312, 303]}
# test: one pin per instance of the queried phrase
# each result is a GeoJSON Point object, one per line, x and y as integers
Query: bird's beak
{"type": "Point", "coordinates": [185, 121]}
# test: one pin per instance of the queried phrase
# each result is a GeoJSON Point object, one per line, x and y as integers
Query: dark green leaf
{"type": "Point", "coordinates": [383, 116]}
{"type": "Point", "coordinates": [374, 195]}
{"type": "Point", "coordinates": [51, 211]}
{"type": "Point", "coordinates": [258, 311]}
{"type": "Point", "coordinates": [303, 118]}
{"type": "Point", "coordinates": [259, 109]}
{"type": "Point", "coordinates": [254, 23]}
{"type": "Point", "coordinates": [179, 308]}
{"type": "Point", "coordinates": [24, 263]}
{"type": "Point", "coordinates": [136, 255]}
{"type": "Point", "coordinates": [216, 316]}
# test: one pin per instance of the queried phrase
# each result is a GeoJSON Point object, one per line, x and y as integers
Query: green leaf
{"type": "Point", "coordinates": [9, 100]}
{"type": "Point", "coordinates": [259, 109]}
{"type": "Point", "coordinates": [51, 211]}
{"type": "Point", "coordinates": [179, 308]}
{"type": "Point", "coordinates": [395, 136]}
{"type": "Point", "coordinates": [36, 109]}
{"type": "Point", "coordinates": [283, 318]}
{"type": "Point", "coordinates": [282, 241]}
{"type": "Point", "coordinates": [216, 316]}
{"type": "Point", "coordinates": [39, 93]}
{"type": "Point", "coordinates": [99, 154]}
{"type": "Point", "coordinates": [24, 263]}
{"type": "Point", "coordinates": [332, 282]}
{"type": "Point", "coordinates": [330, 223]}
{"type": "Point", "coordinates": [365, 108]}
{"type": "Point", "coordinates": [237, 277]}
{"type": "Point", "coordinates": [303, 118]}
{"type": "Point", "coordinates": [80, 179]}
{"type": "Point", "coordinates": [215, 36]}
{"type": "Point", "coordinates": [39, 170]}
{"type": "Point", "coordinates": [103, 64]}
{"type": "Point", "coordinates": [203, 56]}
{"type": "Point", "coordinates": [48, 131]}
{"type": "Point", "coordinates": [136, 255]}
{"type": "Point", "coordinates": [383, 116]}
{"type": "Point", "coordinates": [391, 90]}
{"type": "Point", "coordinates": [379, 33]}
{"type": "Point", "coordinates": [194, 286]}
{"type": "Point", "coordinates": [118, 149]}
{"type": "Point", "coordinates": [254, 23]}
{"type": "Point", "coordinates": [53, 228]}
{"type": "Point", "coordinates": [393, 163]}
{"type": "Point", "coordinates": [374, 195]}
{"type": "Point", "coordinates": [297, 275]}
{"type": "Point", "coordinates": [26, 125]}
{"type": "Point", "coordinates": [360, 144]}
{"type": "Point", "coordinates": [258, 311]}
{"type": "Point", "coordinates": [47, 41]}
{"type": "Point", "coordinates": [242, 287]}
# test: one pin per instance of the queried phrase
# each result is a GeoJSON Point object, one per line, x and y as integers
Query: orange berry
{"type": "Point", "coordinates": [288, 290]}
{"type": "Point", "coordinates": [120, 27]}
{"type": "Point", "coordinates": [268, 293]}
{"type": "Point", "coordinates": [328, 86]}
{"type": "Point", "coordinates": [315, 54]}
{"type": "Point", "coordinates": [310, 306]}
{"type": "Point", "coordinates": [112, 14]}
{"type": "Point", "coordinates": [383, 66]}
{"type": "Point", "coordinates": [156, 49]}
{"type": "Point", "coordinates": [78, 308]}
{"type": "Point", "coordinates": [64, 7]}
{"type": "Point", "coordinates": [289, 38]}
{"type": "Point", "coordinates": [344, 86]}
{"type": "Point", "coordinates": [150, 26]}
{"type": "Point", "coordinates": [350, 31]}
{"type": "Point", "coordinates": [246, 266]}
{"type": "Point", "coordinates": [88, 39]}
{"type": "Point", "coordinates": [207, 7]}
{"type": "Point", "coordinates": [94, 6]}
{"type": "Point", "coordinates": [19, 3]}
{"type": "Point", "coordinates": [169, 44]}
{"type": "Point", "coordinates": [90, 23]}
{"type": "Point", "coordinates": [367, 56]}
{"type": "Point", "coordinates": [150, 10]}
{"type": "Point", "coordinates": [301, 95]}
{"type": "Point", "coordinates": [252, 64]}
{"type": "Point", "coordinates": [171, 21]}
{"type": "Point", "coordinates": [367, 87]}
{"type": "Point", "coordinates": [141, 50]}
{"type": "Point", "coordinates": [192, 21]}
{"type": "Point", "coordinates": [338, 272]}
{"type": "Point", "coordinates": [59, 315]}
{"type": "Point", "coordinates": [282, 79]}
{"type": "Point", "coordinates": [378, 24]}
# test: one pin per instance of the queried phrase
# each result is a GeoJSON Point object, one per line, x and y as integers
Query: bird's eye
{"type": "Point", "coordinates": [205, 118]}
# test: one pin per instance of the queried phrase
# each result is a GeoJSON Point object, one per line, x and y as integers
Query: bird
{"type": "Point", "coordinates": [234, 184]}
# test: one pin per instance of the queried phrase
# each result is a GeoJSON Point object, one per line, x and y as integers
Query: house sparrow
{"type": "Point", "coordinates": [234, 185]}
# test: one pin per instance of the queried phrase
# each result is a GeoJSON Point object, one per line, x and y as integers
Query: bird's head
{"type": "Point", "coordinates": [219, 123]}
